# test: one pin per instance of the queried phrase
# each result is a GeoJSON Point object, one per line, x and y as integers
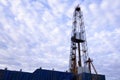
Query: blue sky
{"type": "Point", "coordinates": [36, 33]}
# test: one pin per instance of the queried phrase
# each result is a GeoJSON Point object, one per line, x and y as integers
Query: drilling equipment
{"type": "Point", "coordinates": [80, 62]}
{"type": "Point", "coordinates": [79, 59]}
{"type": "Point", "coordinates": [78, 44]}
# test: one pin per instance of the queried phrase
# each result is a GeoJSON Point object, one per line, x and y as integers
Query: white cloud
{"type": "Point", "coordinates": [4, 2]}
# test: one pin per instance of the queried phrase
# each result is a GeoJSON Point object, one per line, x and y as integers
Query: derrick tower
{"type": "Point", "coordinates": [78, 50]}
{"type": "Point", "coordinates": [80, 63]}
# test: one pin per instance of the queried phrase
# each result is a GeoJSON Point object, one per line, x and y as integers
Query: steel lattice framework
{"type": "Point", "coordinates": [78, 50]}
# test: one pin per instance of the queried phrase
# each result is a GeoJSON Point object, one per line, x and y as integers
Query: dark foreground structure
{"type": "Point", "coordinates": [88, 76]}
{"type": "Point", "coordinates": [42, 74]}
{"type": "Point", "coordinates": [39, 74]}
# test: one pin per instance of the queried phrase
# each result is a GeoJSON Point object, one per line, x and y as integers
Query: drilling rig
{"type": "Point", "coordinates": [78, 44]}
{"type": "Point", "coordinates": [80, 62]}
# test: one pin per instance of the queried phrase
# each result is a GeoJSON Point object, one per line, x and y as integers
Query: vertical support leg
{"type": "Point", "coordinates": [79, 55]}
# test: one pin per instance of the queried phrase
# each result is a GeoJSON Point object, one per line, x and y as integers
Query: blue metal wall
{"type": "Point", "coordinates": [39, 74]}
{"type": "Point", "coordinates": [14, 75]}
{"type": "Point", "coordinates": [1, 74]}
{"type": "Point", "coordinates": [88, 76]}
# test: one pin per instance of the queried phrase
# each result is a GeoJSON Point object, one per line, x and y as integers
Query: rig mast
{"type": "Point", "coordinates": [78, 51]}
{"type": "Point", "coordinates": [80, 63]}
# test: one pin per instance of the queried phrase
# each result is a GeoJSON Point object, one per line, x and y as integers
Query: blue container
{"type": "Point", "coordinates": [41, 74]}
{"type": "Point", "coordinates": [16, 75]}
{"type": "Point", "coordinates": [98, 77]}
{"type": "Point", "coordinates": [1, 74]}
{"type": "Point", "coordinates": [88, 76]}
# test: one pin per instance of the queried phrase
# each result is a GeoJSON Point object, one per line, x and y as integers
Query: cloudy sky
{"type": "Point", "coordinates": [36, 33]}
